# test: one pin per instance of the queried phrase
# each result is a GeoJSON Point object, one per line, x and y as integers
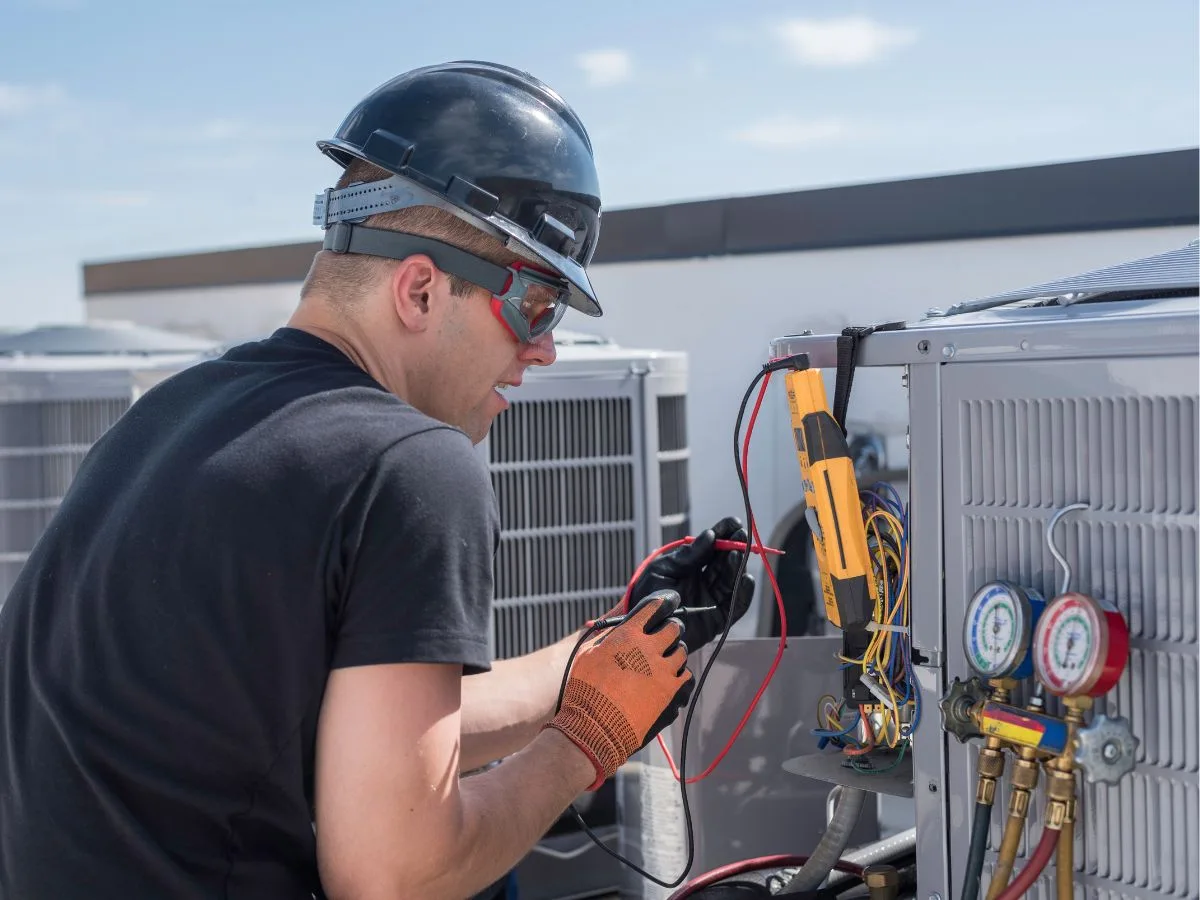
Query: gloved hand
{"type": "Point", "coordinates": [703, 576]}
{"type": "Point", "coordinates": [627, 683]}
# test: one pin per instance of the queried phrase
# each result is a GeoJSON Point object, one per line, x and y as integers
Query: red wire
{"type": "Point", "coordinates": [741, 867]}
{"type": "Point", "coordinates": [756, 545]}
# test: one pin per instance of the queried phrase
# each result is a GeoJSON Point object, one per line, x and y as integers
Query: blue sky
{"type": "Point", "coordinates": [140, 128]}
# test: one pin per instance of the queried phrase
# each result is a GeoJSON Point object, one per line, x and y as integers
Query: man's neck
{"type": "Point", "coordinates": [350, 338]}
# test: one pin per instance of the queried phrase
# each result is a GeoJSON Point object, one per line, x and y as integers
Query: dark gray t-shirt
{"type": "Point", "coordinates": [249, 524]}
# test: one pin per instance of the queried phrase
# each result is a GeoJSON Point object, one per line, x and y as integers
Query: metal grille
{"type": "Point", "coordinates": [1125, 454]}
{"type": "Point", "coordinates": [1133, 459]}
{"type": "Point", "coordinates": [581, 428]}
{"type": "Point", "coordinates": [674, 489]}
{"type": "Point", "coordinates": [566, 482]}
{"type": "Point", "coordinates": [672, 422]}
{"type": "Point", "coordinates": [41, 447]}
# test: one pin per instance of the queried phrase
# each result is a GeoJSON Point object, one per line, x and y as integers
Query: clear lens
{"type": "Point", "coordinates": [539, 300]}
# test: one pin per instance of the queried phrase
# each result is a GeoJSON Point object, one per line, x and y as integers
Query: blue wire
{"type": "Point", "coordinates": [820, 732]}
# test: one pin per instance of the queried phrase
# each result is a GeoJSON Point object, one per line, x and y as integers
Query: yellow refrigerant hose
{"type": "Point", "coordinates": [1024, 782]}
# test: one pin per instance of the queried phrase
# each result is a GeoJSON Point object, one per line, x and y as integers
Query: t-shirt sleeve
{"type": "Point", "coordinates": [418, 543]}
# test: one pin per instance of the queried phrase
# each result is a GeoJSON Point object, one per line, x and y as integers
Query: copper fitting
{"type": "Point", "coordinates": [1056, 814]}
{"type": "Point", "coordinates": [882, 881]}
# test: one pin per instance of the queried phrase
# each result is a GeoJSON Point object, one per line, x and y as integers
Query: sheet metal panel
{"type": "Point", "coordinates": [1021, 441]}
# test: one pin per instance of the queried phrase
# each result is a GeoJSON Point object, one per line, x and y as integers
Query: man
{"type": "Point", "coordinates": [234, 665]}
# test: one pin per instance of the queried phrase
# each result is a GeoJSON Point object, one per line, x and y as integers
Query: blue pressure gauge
{"type": "Point", "coordinates": [998, 629]}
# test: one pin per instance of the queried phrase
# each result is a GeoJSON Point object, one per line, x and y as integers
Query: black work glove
{"type": "Point", "coordinates": [703, 576]}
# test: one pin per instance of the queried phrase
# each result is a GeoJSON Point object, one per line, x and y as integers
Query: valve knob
{"type": "Point", "coordinates": [1106, 749]}
{"type": "Point", "coordinates": [956, 706]}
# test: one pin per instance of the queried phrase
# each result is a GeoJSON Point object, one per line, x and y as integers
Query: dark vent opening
{"type": "Point", "coordinates": [672, 423]}
{"type": "Point", "coordinates": [675, 532]}
{"type": "Point", "coordinates": [673, 487]}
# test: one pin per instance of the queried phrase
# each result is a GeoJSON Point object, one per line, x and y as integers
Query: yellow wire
{"type": "Point", "coordinates": [888, 610]}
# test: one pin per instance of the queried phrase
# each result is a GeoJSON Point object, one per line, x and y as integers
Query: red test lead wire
{"type": "Point", "coordinates": [757, 547]}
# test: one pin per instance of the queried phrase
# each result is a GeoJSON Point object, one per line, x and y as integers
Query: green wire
{"type": "Point", "coordinates": [863, 770]}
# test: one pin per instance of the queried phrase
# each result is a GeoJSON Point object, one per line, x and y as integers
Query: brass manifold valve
{"type": "Point", "coordinates": [1105, 750]}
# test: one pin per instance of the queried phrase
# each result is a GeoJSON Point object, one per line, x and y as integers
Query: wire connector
{"type": "Point", "coordinates": [797, 362]}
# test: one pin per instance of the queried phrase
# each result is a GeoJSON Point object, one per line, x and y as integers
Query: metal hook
{"type": "Point", "coordinates": [1066, 585]}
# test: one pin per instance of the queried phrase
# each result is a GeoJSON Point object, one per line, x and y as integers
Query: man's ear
{"type": "Point", "coordinates": [412, 282]}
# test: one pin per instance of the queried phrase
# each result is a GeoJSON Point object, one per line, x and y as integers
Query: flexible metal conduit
{"type": "Point", "coordinates": [878, 852]}
{"type": "Point", "coordinates": [832, 845]}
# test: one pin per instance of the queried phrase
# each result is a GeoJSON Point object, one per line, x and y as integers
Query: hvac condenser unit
{"type": "Point", "coordinates": [1074, 405]}
{"type": "Point", "coordinates": [590, 468]}
{"type": "Point", "coordinates": [61, 388]}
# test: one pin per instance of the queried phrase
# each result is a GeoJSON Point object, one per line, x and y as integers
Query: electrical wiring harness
{"type": "Point", "coordinates": [886, 665]}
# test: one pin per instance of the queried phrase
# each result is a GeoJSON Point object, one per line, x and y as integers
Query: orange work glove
{"type": "Point", "coordinates": [627, 684]}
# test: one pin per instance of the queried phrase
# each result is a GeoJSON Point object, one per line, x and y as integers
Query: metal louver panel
{"type": "Point", "coordinates": [42, 444]}
{"type": "Point", "coordinates": [1022, 442]}
{"type": "Point", "coordinates": [568, 485]}
{"type": "Point", "coordinates": [674, 489]}
{"type": "Point", "coordinates": [590, 474]}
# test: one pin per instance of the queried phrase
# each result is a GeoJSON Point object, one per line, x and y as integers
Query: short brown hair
{"type": "Point", "coordinates": [344, 277]}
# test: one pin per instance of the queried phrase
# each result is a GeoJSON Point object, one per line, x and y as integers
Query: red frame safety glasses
{"type": "Point", "coordinates": [528, 317]}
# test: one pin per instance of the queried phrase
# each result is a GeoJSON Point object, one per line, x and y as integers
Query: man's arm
{"type": "Point", "coordinates": [502, 710]}
{"type": "Point", "coordinates": [393, 818]}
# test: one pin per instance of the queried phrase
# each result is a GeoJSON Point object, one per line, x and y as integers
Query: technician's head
{"type": "Point", "coordinates": [459, 232]}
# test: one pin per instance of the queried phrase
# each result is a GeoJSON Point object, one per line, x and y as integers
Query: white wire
{"type": "Point", "coordinates": [576, 851]}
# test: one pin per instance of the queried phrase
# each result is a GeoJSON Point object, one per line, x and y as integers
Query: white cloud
{"type": "Point", "coordinates": [849, 41]}
{"type": "Point", "coordinates": [785, 131]}
{"type": "Point", "coordinates": [604, 68]}
{"type": "Point", "coordinates": [19, 99]}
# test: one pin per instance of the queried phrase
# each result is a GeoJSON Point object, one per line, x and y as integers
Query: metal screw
{"type": "Point", "coordinates": [1111, 752]}
{"type": "Point", "coordinates": [935, 896]}
{"type": "Point", "coordinates": [933, 786]}
{"type": "Point", "coordinates": [923, 346]}
{"type": "Point", "coordinates": [948, 351]}
{"type": "Point", "coordinates": [1024, 345]}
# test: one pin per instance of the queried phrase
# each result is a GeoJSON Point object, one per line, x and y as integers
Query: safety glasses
{"type": "Point", "coordinates": [532, 302]}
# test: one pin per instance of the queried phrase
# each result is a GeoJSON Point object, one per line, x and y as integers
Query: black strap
{"type": "Point", "coordinates": [342, 237]}
{"type": "Point", "coordinates": [847, 359]}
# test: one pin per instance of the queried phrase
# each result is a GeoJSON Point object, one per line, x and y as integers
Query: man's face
{"type": "Point", "coordinates": [483, 359]}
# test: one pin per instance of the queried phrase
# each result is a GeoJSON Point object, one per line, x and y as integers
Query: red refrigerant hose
{"type": "Point", "coordinates": [741, 867]}
{"type": "Point", "coordinates": [1041, 856]}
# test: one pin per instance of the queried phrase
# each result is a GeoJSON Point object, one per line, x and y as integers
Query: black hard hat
{"type": "Point", "coordinates": [489, 143]}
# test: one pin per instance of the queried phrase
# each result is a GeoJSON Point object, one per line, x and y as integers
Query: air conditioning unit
{"type": "Point", "coordinates": [590, 468]}
{"type": "Point", "coordinates": [61, 388]}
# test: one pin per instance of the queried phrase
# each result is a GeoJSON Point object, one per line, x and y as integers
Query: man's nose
{"type": "Point", "coordinates": [540, 351]}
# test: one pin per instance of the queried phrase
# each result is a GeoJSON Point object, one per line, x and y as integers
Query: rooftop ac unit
{"type": "Point", "coordinates": [590, 470]}
{"type": "Point", "coordinates": [590, 467]}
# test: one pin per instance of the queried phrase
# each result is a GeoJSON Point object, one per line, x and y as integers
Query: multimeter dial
{"type": "Point", "coordinates": [1081, 646]}
{"type": "Point", "coordinates": [997, 629]}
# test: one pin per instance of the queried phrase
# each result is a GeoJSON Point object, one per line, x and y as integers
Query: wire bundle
{"type": "Point", "coordinates": [886, 665]}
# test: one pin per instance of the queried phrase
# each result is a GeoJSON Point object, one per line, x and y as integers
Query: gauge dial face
{"type": "Point", "coordinates": [996, 630]}
{"type": "Point", "coordinates": [1070, 644]}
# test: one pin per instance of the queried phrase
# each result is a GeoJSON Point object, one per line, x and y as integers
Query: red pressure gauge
{"type": "Point", "coordinates": [1081, 646]}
